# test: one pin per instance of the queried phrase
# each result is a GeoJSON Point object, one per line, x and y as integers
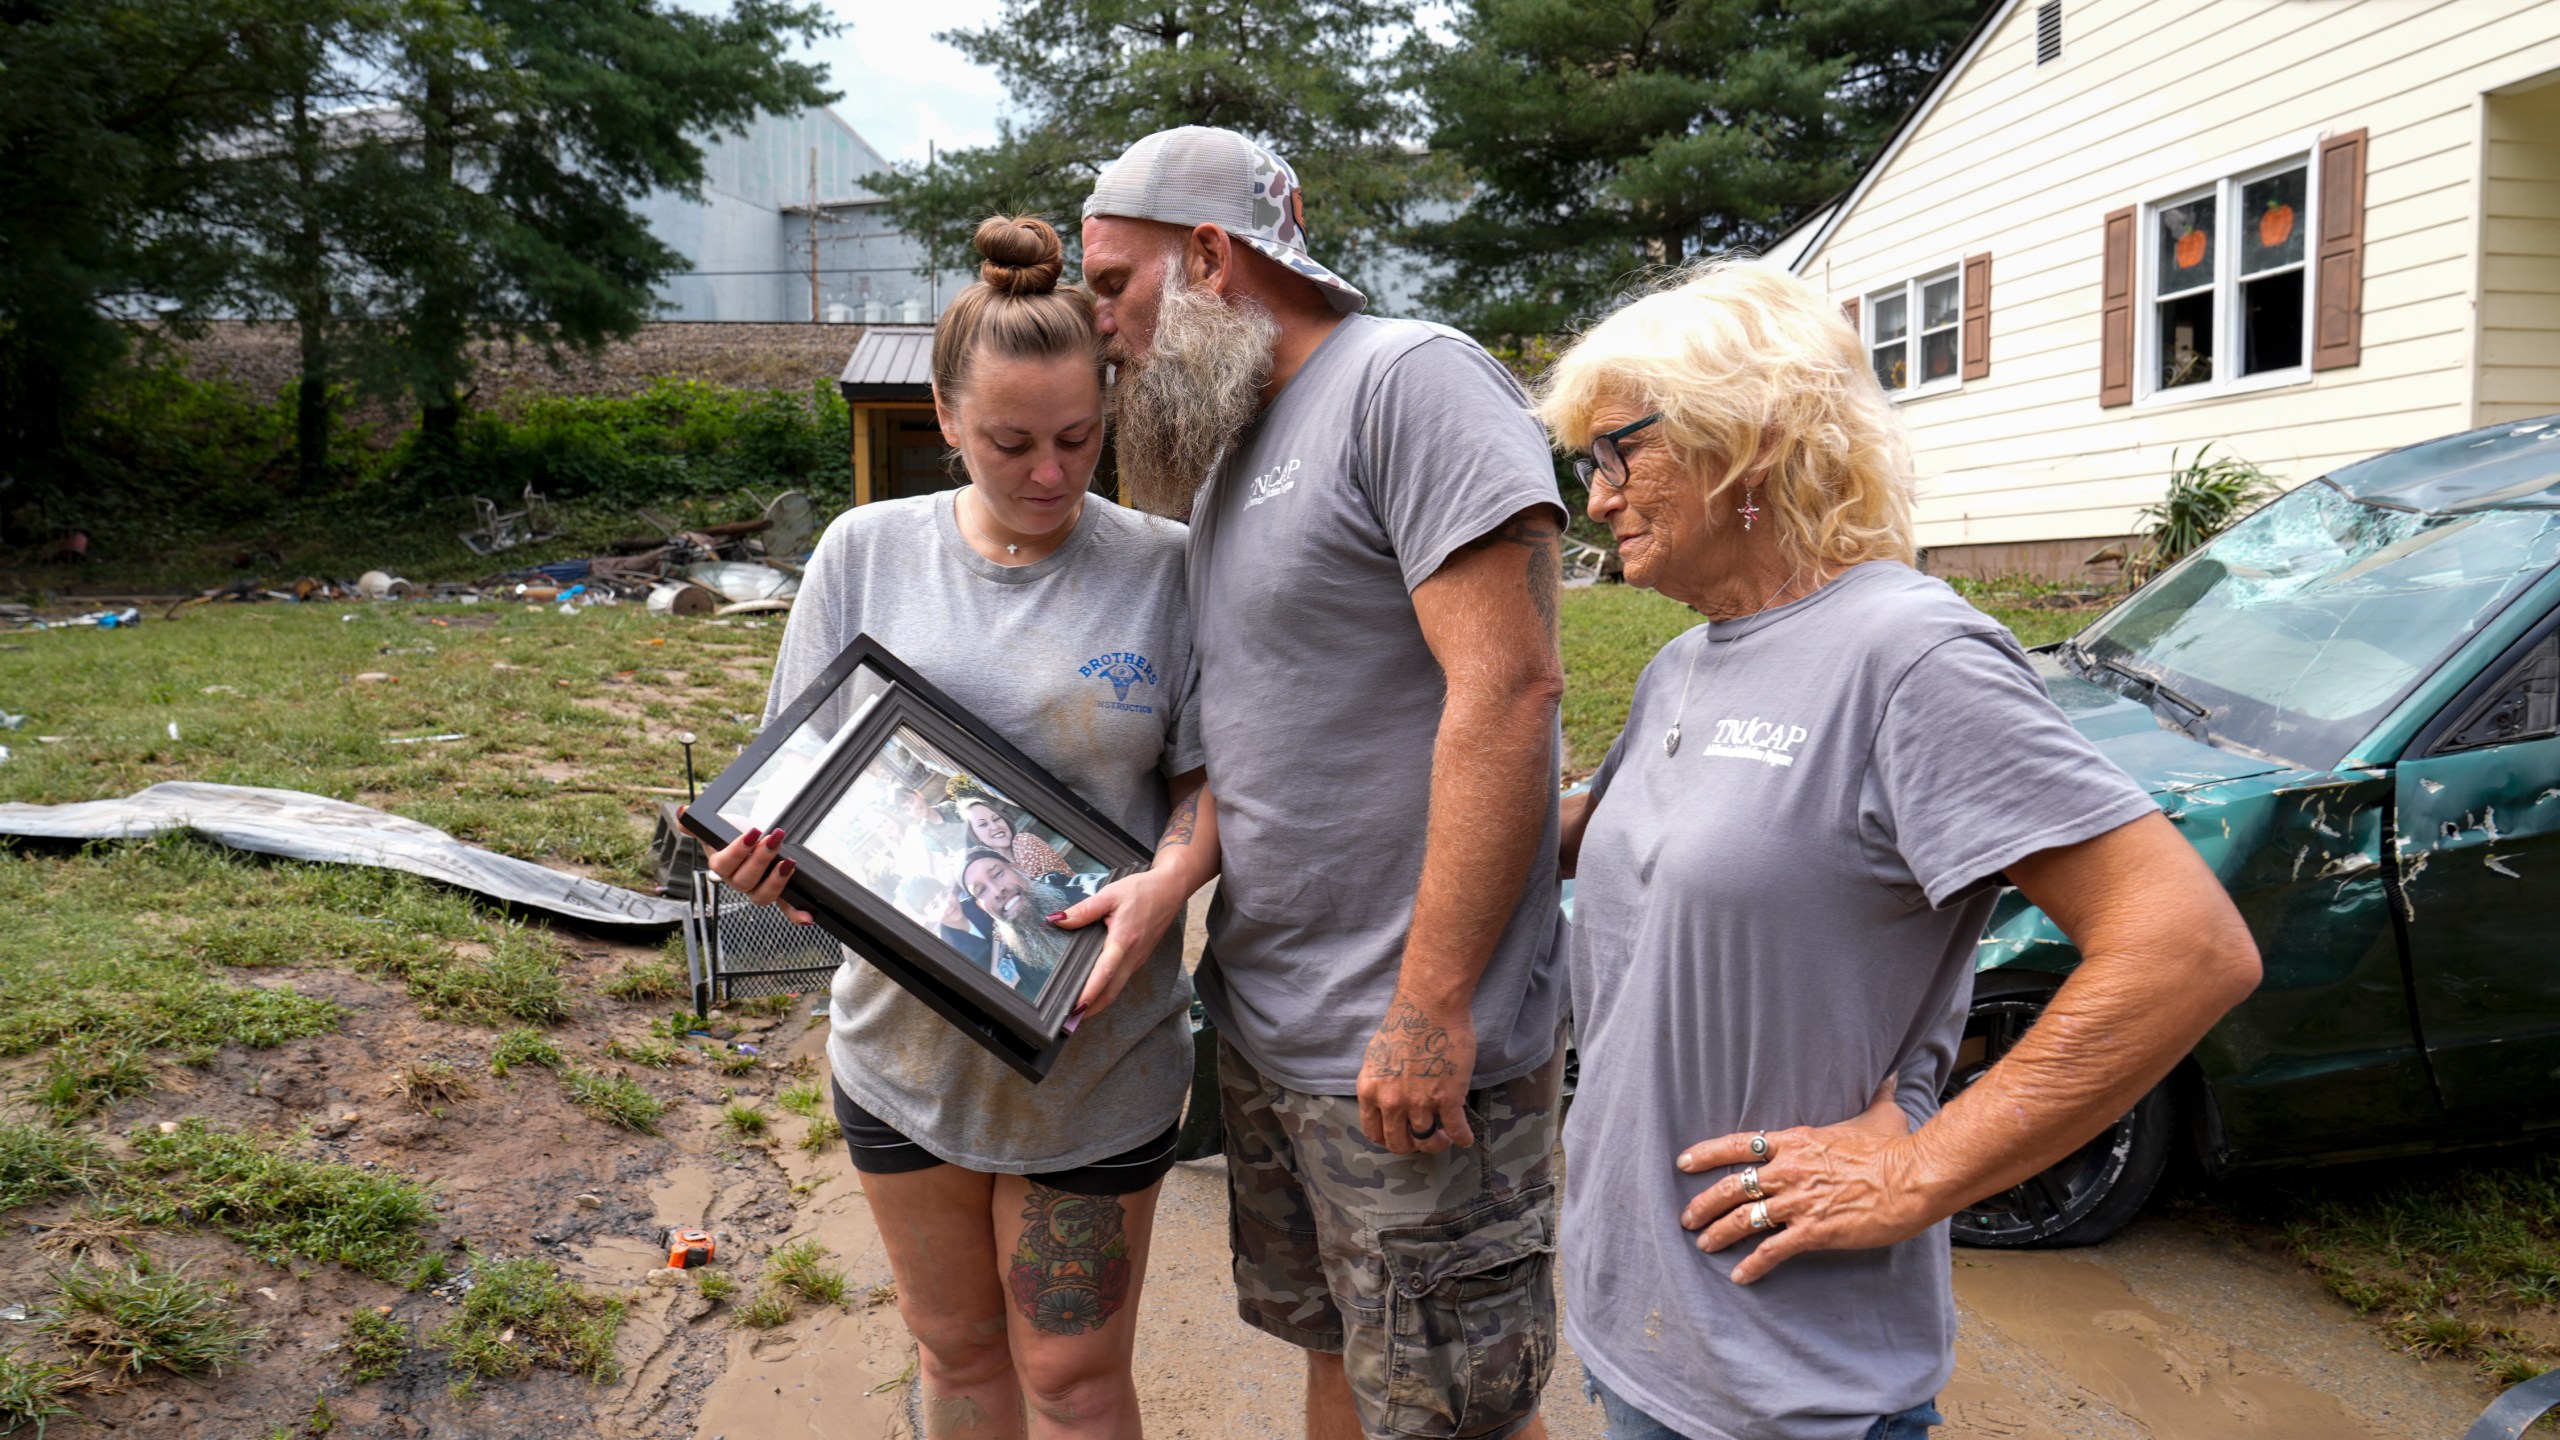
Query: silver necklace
{"type": "Point", "coordinates": [1015, 549]}
{"type": "Point", "coordinates": [1671, 737]}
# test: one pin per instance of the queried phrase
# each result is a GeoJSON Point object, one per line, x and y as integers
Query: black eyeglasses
{"type": "Point", "coordinates": [1604, 467]}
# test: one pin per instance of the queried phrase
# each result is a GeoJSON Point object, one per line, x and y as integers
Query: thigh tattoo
{"type": "Point", "coordinates": [1070, 1271]}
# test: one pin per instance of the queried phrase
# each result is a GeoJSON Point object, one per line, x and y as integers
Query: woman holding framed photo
{"type": "Point", "coordinates": [1017, 1217]}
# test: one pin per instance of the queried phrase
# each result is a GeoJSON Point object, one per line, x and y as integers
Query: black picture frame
{"type": "Point", "coordinates": [808, 761]}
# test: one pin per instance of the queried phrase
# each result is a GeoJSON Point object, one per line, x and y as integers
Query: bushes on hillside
{"type": "Point", "coordinates": [164, 461]}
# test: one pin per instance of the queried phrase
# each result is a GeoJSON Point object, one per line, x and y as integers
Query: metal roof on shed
{"type": "Point", "coordinates": [890, 362]}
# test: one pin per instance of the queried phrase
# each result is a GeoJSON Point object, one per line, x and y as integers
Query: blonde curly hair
{"type": "Point", "coordinates": [1753, 371]}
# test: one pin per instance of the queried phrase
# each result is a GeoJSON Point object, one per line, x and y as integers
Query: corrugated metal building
{"type": "Point", "coordinates": [751, 233]}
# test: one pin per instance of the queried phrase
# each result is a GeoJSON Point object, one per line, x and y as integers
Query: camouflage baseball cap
{"type": "Point", "coordinates": [1198, 175]}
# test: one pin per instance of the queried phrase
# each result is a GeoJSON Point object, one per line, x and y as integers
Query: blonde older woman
{"type": "Point", "coordinates": [1783, 866]}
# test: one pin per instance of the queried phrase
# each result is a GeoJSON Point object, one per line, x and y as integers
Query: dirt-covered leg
{"type": "Point", "coordinates": [1073, 1275]}
{"type": "Point", "coordinates": [944, 1254]}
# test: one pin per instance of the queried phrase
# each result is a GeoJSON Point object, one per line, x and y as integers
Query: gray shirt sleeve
{"type": "Point", "coordinates": [823, 619]}
{"type": "Point", "coordinates": [1451, 452]}
{"type": "Point", "coordinates": [1974, 768]}
{"type": "Point", "coordinates": [1184, 750]}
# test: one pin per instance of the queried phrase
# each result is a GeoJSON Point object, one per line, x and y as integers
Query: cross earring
{"type": "Point", "coordinates": [1748, 510]}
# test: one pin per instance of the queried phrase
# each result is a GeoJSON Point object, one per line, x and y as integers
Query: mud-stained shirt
{"type": "Point", "coordinates": [1018, 646]}
{"type": "Point", "coordinates": [1771, 917]}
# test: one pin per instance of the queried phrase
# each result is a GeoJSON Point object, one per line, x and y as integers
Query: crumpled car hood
{"type": "Point", "coordinates": [2159, 759]}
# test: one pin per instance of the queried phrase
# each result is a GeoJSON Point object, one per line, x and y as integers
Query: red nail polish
{"type": "Point", "coordinates": [1054, 916]}
{"type": "Point", "coordinates": [787, 867]}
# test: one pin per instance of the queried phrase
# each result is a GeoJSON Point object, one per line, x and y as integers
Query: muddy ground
{"type": "Point", "coordinates": [2168, 1331]}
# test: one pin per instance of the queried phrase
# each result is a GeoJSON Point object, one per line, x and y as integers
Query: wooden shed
{"type": "Point", "coordinates": [897, 446]}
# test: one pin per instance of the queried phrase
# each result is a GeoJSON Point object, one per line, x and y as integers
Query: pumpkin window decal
{"type": "Point", "coordinates": [2274, 205]}
{"type": "Point", "coordinates": [2186, 245]}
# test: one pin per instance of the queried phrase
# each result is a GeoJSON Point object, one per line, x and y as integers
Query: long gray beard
{"type": "Point", "coordinates": [1178, 409]}
{"type": "Point", "coordinates": [1036, 945]}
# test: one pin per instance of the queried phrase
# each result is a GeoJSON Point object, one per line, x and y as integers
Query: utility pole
{"type": "Point", "coordinates": [814, 315]}
{"type": "Point", "coordinates": [932, 275]}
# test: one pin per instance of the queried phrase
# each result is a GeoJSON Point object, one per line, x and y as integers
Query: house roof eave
{"type": "Point", "coordinates": [1983, 30]}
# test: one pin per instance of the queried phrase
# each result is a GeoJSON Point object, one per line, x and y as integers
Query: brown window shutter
{"type": "Point", "coordinates": [2115, 311]}
{"type": "Point", "coordinates": [1977, 316]}
{"type": "Point", "coordinates": [2337, 335]}
{"type": "Point", "coordinates": [1849, 307]}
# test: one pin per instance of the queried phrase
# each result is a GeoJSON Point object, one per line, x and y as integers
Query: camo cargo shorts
{"type": "Point", "coordinates": [1433, 1276]}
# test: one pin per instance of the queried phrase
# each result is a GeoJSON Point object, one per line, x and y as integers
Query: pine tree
{"type": "Point", "coordinates": [528, 128]}
{"type": "Point", "coordinates": [1313, 79]}
{"type": "Point", "coordinates": [109, 114]}
{"type": "Point", "coordinates": [1602, 137]}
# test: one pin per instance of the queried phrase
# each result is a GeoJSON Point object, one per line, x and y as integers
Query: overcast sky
{"type": "Point", "coordinates": [901, 86]}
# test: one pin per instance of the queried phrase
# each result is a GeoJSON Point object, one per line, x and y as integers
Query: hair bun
{"type": "Point", "coordinates": [1023, 256]}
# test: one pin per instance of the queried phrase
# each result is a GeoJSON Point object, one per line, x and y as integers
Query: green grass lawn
{"type": "Point", "coordinates": [123, 965]}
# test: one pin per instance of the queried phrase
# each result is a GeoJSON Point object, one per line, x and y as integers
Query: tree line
{"type": "Point", "coordinates": [1529, 156]}
{"type": "Point", "coordinates": [407, 181]}
{"type": "Point", "coordinates": [401, 180]}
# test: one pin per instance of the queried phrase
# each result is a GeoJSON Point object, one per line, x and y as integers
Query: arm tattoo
{"type": "Point", "coordinates": [1407, 1043]}
{"type": "Point", "coordinates": [1070, 1270]}
{"type": "Point", "coordinates": [1185, 821]}
{"type": "Point", "coordinates": [1534, 532]}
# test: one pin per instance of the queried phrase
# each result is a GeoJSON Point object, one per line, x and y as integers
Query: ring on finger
{"type": "Point", "coordinates": [1751, 1184]}
{"type": "Point", "coordinates": [1759, 1146]}
{"type": "Point", "coordinates": [1759, 1216]}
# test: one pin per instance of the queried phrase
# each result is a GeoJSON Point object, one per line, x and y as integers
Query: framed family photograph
{"type": "Point", "coordinates": [931, 846]}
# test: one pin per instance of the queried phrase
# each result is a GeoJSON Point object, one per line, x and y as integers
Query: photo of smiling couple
{"type": "Point", "coordinates": [1313, 649]}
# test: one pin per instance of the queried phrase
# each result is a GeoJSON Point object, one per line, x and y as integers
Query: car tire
{"type": "Point", "coordinates": [2097, 1189]}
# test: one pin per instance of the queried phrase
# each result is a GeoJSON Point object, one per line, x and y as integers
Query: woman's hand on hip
{"type": "Point", "coordinates": [1136, 911]}
{"type": "Point", "coordinates": [753, 865]}
{"type": "Point", "coordinates": [1848, 1186]}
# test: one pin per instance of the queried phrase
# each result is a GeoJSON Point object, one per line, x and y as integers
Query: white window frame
{"type": "Point", "coordinates": [2224, 183]}
{"type": "Point", "coordinates": [1909, 289]}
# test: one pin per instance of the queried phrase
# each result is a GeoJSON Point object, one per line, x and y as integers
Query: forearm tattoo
{"type": "Point", "coordinates": [1070, 1270]}
{"type": "Point", "coordinates": [1533, 532]}
{"type": "Point", "coordinates": [1407, 1043]}
{"type": "Point", "coordinates": [1184, 824]}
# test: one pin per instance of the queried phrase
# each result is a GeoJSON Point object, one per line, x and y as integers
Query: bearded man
{"type": "Point", "coordinates": [1374, 522]}
{"type": "Point", "coordinates": [1028, 948]}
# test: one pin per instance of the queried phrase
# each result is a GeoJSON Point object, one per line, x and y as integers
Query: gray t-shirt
{"type": "Point", "coordinates": [1025, 649]}
{"type": "Point", "coordinates": [1397, 443]}
{"type": "Point", "coordinates": [1767, 923]}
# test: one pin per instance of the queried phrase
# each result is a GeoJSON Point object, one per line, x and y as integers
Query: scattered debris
{"type": "Point", "coordinates": [377, 585]}
{"type": "Point", "coordinates": [426, 739]}
{"type": "Point", "coordinates": [677, 597]}
{"type": "Point", "coordinates": [737, 580]}
{"type": "Point", "coordinates": [505, 531]}
{"type": "Point", "coordinates": [302, 826]}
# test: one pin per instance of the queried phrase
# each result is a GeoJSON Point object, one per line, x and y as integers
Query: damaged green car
{"type": "Point", "coordinates": [2350, 703]}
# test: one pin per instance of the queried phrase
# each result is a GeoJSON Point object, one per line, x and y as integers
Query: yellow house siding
{"type": "Point", "coordinates": [2150, 96]}
{"type": "Point", "coordinates": [2519, 321]}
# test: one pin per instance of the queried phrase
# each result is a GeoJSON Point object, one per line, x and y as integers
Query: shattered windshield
{"type": "Point", "coordinates": [2297, 629]}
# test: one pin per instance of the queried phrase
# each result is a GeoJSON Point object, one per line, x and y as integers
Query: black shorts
{"type": "Point", "coordinates": [879, 1148]}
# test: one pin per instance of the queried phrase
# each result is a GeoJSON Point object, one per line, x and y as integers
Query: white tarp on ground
{"type": "Point", "coordinates": [302, 826]}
